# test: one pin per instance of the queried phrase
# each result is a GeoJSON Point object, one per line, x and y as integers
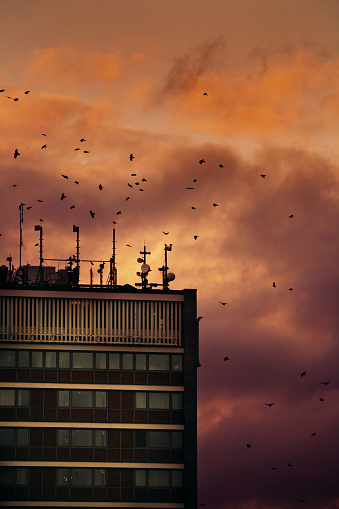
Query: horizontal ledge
{"type": "Point", "coordinates": [90, 425]}
{"type": "Point", "coordinates": [93, 464]}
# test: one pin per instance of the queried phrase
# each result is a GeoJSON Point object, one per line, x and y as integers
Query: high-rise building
{"type": "Point", "coordinates": [98, 393]}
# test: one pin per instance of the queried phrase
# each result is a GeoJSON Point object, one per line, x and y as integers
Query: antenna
{"type": "Point", "coordinates": [112, 278]}
{"type": "Point", "coordinates": [145, 269]}
{"type": "Point", "coordinates": [21, 212]}
{"type": "Point", "coordinates": [166, 276]}
{"type": "Point", "coordinates": [76, 272]}
{"type": "Point", "coordinates": [40, 275]}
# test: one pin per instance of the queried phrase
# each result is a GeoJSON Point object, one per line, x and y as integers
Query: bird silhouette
{"type": "Point", "coordinates": [2, 90]}
{"type": "Point", "coordinates": [215, 205]}
{"type": "Point", "coordinates": [195, 237]}
{"type": "Point", "coordinates": [248, 446]}
{"type": "Point", "coordinates": [290, 289]}
{"type": "Point", "coordinates": [303, 373]}
{"type": "Point", "coordinates": [133, 174]}
{"type": "Point", "coordinates": [82, 139]}
{"type": "Point", "coordinates": [165, 233]}
{"type": "Point", "coordinates": [43, 134]}
{"type": "Point", "coordinates": [131, 157]}
{"type": "Point", "coordinates": [86, 151]}
{"type": "Point", "coordinates": [129, 185]}
{"type": "Point", "coordinates": [27, 92]}
{"type": "Point", "coordinates": [41, 220]}
{"type": "Point", "coordinates": [273, 468]}
{"type": "Point", "coordinates": [143, 180]}
{"type": "Point", "coordinates": [193, 208]}
{"type": "Point", "coordinates": [195, 180]}
{"type": "Point", "coordinates": [76, 182]}
{"type": "Point", "coordinates": [16, 153]}
{"type": "Point", "coordinates": [36, 244]}
{"type": "Point", "coordinates": [126, 199]}
{"type": "Point", "coordinates": [325, 383]}
{"type": "Point", "coordinates": [40, 201]}
{"type": "Point", "coordinates": [226, 358]}
{"type": "Point", "coordinates": [44, 146]}
{"type": "Point", "coordinates": [289, 464]}
{"type": "Point", "coordinates": [64, 176]}
{"type": "Point", "coordinates": [28, 208]}
{"type": "Point", "coordinates": [321, 399]}
{"type": "Point", "coordinates": [100, 187]}
{"type": "Point", "coordinates": [221, 165]}
{"type": "Point", "coordinates": [77, 148]}
{"type": "Point", "coordinates": [63, 196]}
{"type": "Point", "coordinates": [205, 93]}
{"type": "Point", "coordinates": [313, 434]}
{"type": "Point", "coordinates": [72, 207]}
{"type": "Point", "coordinates": [263, 176]}
{"type": "Point", "coordinates": [189, 187]}
{"type": "Point", "coordinates": [119, 212]}
{"type": "Point", "coordinates": [274, 285]}
{"type": "Point", "coordinates": [202, 161]}
{"type": "Point", "coordinates": [223, 303]}
{"type": "Point", "coordinates": [269, 404]}
{"type": "Point", "coordinates": [16, 99]}
{"type": "Point", "coordinates": [14, 185]}
{"type": "Point", "coordinates": [292, 215]}
{"type": "Point", "coordinates": [92, 213]}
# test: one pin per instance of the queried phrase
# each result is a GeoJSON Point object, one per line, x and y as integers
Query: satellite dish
{"type": "Point", "coordinates": [170, 276]}
{"type": "Point", "coordinates": [145, 268]}
{"type": "Point", "coordinates": [140, 260]}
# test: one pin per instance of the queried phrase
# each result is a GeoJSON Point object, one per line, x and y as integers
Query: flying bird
{"type": "Point", "coordinates": [36, 244]}
{"type": "Point", "coordinates": [202, 161]}
{"type": "Point", "coordinates": [205, 93]}
{"type": "Point", "coordinates": [28, 208]}
{"type": "Point", "coordinates": [119, 212]}
{"type": "Point", "coordinates": [100, 187]}
{"type": "Point", "coordinates": [193, 208]}
{"type": "Point", "coordinates": [248, 446]}
{"type": "Point", "coordinates": [226, 358]}
{"type": "Point", "coordinates": [274, 285]}
{"type": "Point", "coordinates": [77, 148]}
{"type": "Point", "coordinates": [290, 289]}
{"type": "Point", "coordinates": [76, 182]}
{"type": "Point", "coordinates": [303, 373]}
{"type": "Point", "coordinates": [273, 468]}
{"type": "Point", "coordinates": [14, 185]}
{"type": "Point", "coordinates": [129, 185]}
{"type": "Point", "coordinates": [82, 139]}
{"type": "Point", "coordinates": [92, 213]}
{"type": "Point", "coordinates": [27, 92]}
{"type": "Point", "coordinates": [43, 134]}
{"type": "Point", "coordinates": [321, 399]}
{"type": "Point", "coordinates": [292, 215]}
{"type": "Point", "coordinates": [221, 165]}
{"type": "Point", "coordinates": [41, 220]}
{"type": "Point", "coordinates": [91, 262]}
{"type": "Point", "coordinates": [289, 464]}
{"type": "Point", "coordinates": [325, 383]}
{"type": "Point", "coordinates": [194, 180]}
{"type": "Point", "coordinates": [165, 233]}
{"type": "Point", "coordinates": [63, 196]}
{"type": "Point", "coordinates": [215, 205]}
{"type": "Point", "coordinates": [133, 174]}
{"type": "Point", "coordinates": [2, 90]}
{"type": "Point", "coordinates": [44, 146]}
{"type": "Point", "coordinates": [269, 404]}
{"type": "Point", "coordinates": [126, 199]}
{"type": "Point", "coordinates": [313, 434]}
{"type": "Point", "coordinates": [143, 180]}
{"type": "Point", "coordinates": [16, 153]}
{"type": "Point", "coordinates": [195, 237]}
{"type": "Point", "coordinates": [263, 176]}
{"type": "Point", "coordinates": [86, 151]}
{"type": "Point", "coordinates": [128, 245]}
{"type": "Point", "coordinates": [131, 157]}
{"type": "Point", "coordinates": [141, 189]}
{"type": "Point", "coordinates": [72, 207]}
{"type": "Point", "coordinates": [16, 99]}
{"type": "Point", "coordinates": [40, 201]}
{"type": "Point", "coordinates": [189, 187]}
{"type": "Point", "coordinates": [65, 176]}
{"type": "Point", "coordinates": [223, 303]}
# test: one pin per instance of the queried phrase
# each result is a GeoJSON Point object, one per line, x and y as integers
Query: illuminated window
{"type": "Point", "coordinates": [99, 477]}
{"type": "Point", "coordinates": [158, 362]}
{"type": "Point", "coordinates": [100, 438]}
{"type": "Point", "coordinates": [63, 477]}
{"type": "Point", "coordinates": [7, 358]}
{"type": "Point", "coordinates": [100, 360]}
{"type": "Point", "coordinates": [140, 362]}
{"type": "Point", "coordinates": [114, 361]}
{"type": "Point", "coordinates": [176, 362]}
{"type": "Point", "coordinates": [140, 477]}
{"type": "Point", "coordinates": [50, 360]}
{"type": "Point", "coordinates": [176, 401]}
{"type": "Point", "coordinates": [127, 361]}
{"type": "Point", "coordinates": [22, 436]}
{"type": "Point", "coordinates": [64, 361]}
{"type": "Point", "coordinates": [159, 400]}
{"type": "Point", "coordinates": [140, 400]}
{"type": "Point", "coordinates": [63, 437]}
{"type": "Point", "coordinates": [82, 399]}
{"type": "Point", "coordinates": [81, 476]}
{"type": "Point", "coordinates": [81, 438]}
{"type": "Point", "coordinates": [64, 398]}
{"type": "Point", "coordinates": [23, 359]}
{"type": "Point", "coordinates": [83, 360]}
{"type": "Point", "coordinates": [23, 397]}
{"type": "Point", "coordinates": [37, 359]}
{"type": "Point", "coordinates": [7, 397]}
{"type": "Point", "coordinates": [100, 399]}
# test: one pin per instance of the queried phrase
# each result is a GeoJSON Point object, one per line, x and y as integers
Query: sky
{"type": "Point", "coordinates": [251, 88]}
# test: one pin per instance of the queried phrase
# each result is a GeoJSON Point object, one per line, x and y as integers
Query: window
{"type": "Point", "coordinates": [159, 400]}
{"type": "Point", "coordinates": [7, 397]}
{"type": "Point", "coordinates": [6, 476]}
{"type": "Point", "coordinates": [114, 361]}
{"type": "Point", "coordinates": [23, 397]}
{"type": "Point", "coordinates": [176, 478]}
{"type": "Point", "coordinates": [176, 439]}
{"type": "Point", "coordinates": [140, 477]}
{"type": "Point", "coordinates": [159, 439]}
{"type": "Point", "coordinates": [64, 361]}
{"type": "Point", "coordinates": [81, 476]}
{"type": "Point", "coordinates": [63, 398]}
{"type": "Point", "coordinates": [140, 400]}
{"type": "Point", "coordinates": [50, 360]}
{"type": "Point", "coordinates": [7, 359]}
{"type": "Point", "coordinates": [100, 360]}
{"type": "Point", "coordinates": [140, 361]}
{"type": "Point", "coordinates": [82, 399]}
{"type": "Point", "coordinates": [37, 359]}
{"type": "Point", "coordinates": [81, 438]}
{"type": "Point", "coordinates": [158, 478]}
{"type": "Point", "coordinates": [100, 439]}
{"type": "Point", "coordinates": [99, 477]}
{"type": "Point", "coordinates": [21, 475]}
{"type": "Point", "coordinates": [158, 362]}
{"type": "Point", "coordinates": [127, 361]}
{"type": "Point", "coordinates": [140, 438]}
{"type": "Point", "coordinates": [22, 436]}
{"type": "Point", "coordinates": [23, 359]}
{"type": "Point", "coordinates": [63, 476]}
{"type": "Point", "coordinates": [176, 362]}
{"type": "Point", "coordinates": [83, 360]}
{"type": "Point", "coordinates": [63, 437]}
{"type": "Point", "coordinates": [6, 436]}
{"type": "Point", "coordinates": [100, 399]}
{"type": "Point", "coordinates": [176, 400]}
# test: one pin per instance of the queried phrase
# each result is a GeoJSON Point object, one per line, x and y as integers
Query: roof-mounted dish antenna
{"type": "Point", "coordinates": [144, 269]}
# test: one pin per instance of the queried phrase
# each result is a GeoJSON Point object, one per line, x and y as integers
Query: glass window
{"type": "Point", "coordinates": [140, 400]}
{"type": "Point", "coordinates": [176, 439]}
{"type": "Point", "coordinates": [7, 359]}
{"type": "Point", "coordinates": [140, 477]}
{"type": "Point", "coordinates": [21, 475]}
{"type": "Point", "coordinates": [99, 477]}
{"type": "Point", "coordinates": [23, 397]}
{"type": "Point", "coordinates": [64, 362]}
{"type": "Point", "coordinates": [140, 438]}
{"type": "Point", "coordinates": [22, 436]}
{"type": "Point", "coordinates": [176, 400]}
{"type": "Point", "coordinates": [140, 361]}
{"type": "Point", "coordinates": [158, 362]}
{"type": "Point", "coordinates": [36, 359]}
{"type": "Point", "coordinates": [63, 437]}
{"type": "Point", "coordinates": [114, 361]}
{"type": "Point", "coordinates": [176, 362]}
{"type": "Point", "coordinates": [100, 438]}
{"type": "Point", "coordinates": [23, 359]}
{"type": "Point", "coordinates": [6, 436]}
{"type": "Point", "coordinates": [127, 361]}
{"type": "Point", "coordinates": [83, 360]}
{"type": "Point", "coordinates": [159, 439]}
{"type": "Point", "coordinates": [81, 476]}
{"type": "Point", "coordinates": [6, 475]}
{"type": "Point", "coordinates": [64, 398]}
{"type": "Point", "coordinates": [159, 478]}
{"type": "Point", "coordinates": [176, 478]}
{"type": "Point", "coordinates": [100, 360]}
{"type": "Point", "coordinates": [7, 397]}
{"type": "Point", "coordinates": [81, 438]}
{"type": "Point", "coordinates": [82, 399]}
{"type": "Point", "coordinates": [100, 399]}
{"type": "Point", "coordinates": [159, 400]}
{"type": "Point", "coordinates": [50, 360]}
{"type": "Point", "coordinates": [63, 478]}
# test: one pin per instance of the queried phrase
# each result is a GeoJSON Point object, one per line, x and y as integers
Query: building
{"type": "Point", "coordinates": [98, 394]}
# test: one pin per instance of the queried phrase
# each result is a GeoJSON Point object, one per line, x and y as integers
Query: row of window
{"type": "Point", "coordinates": [158, 439]}
{"type": "Point", "coordinates": [95, 399]}
{"type": "Point", "coordinates": [157, 478]}
{"type": "Point", "coordinates": [90, 360]}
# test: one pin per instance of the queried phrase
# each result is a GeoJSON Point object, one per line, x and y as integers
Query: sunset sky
{"type": "Point", "coordinates": [249, 85]}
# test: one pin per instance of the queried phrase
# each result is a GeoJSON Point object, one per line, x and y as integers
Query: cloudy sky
{"type": "Point", "coordinates": [252, 89]}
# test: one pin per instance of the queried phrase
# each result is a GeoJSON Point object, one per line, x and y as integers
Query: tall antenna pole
{"type": "Point", "coordinates": [21, 209]}
{"type": "Point", "coordinates": [77, 270]}
{"type": "Point", "coordinates": [112, 279]}
{"type": "Point", "coordinates": [40, 277]}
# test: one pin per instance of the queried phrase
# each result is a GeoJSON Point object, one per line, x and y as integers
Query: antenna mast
{"type": "Point", "coordinates": [21, 209]}
{"type": "Point", "coordinates": [112, 278]}
{"type": "Point", "coordinates": [40, 275]}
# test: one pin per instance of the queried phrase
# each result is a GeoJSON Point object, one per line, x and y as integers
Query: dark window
{"type": "Point", "coordinates": [114, 361]}
{"type": "Point", "coordinates": [6, 436]}
{"type": "Point", "coordinates": [37, 359]}
{"type": "Point", "coordinates": [81, 476]}
{"type": "Point", "coordinates": [83, 360]}
{"type": "Point", "coordinates": [82, 399]}
{"type": "Point", "coordinates": [23, 359]}
{"type": "Point", "coordinates": [158, 362]}
{"type": "Point", "coordinates": [64, 360]}
{"type": "Point", "coordinates": [158, 439]}
{"type": "Point", "coordinates": [81, 438]}
{"type": "Point", "coordinates": [7, 397]}
{"type": "Point", "coordinates": [140, 438]}
{"type": "Point", "coordinates": [50, 359]}
{"type": "Point", "coordinates": [22, 436]}
{"type": "Point", "coordinates": [100, 438]}
{"type": "Point", "coordinates": [176, 362]}
{"type": "Point", "coordinates": [7, 358]}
